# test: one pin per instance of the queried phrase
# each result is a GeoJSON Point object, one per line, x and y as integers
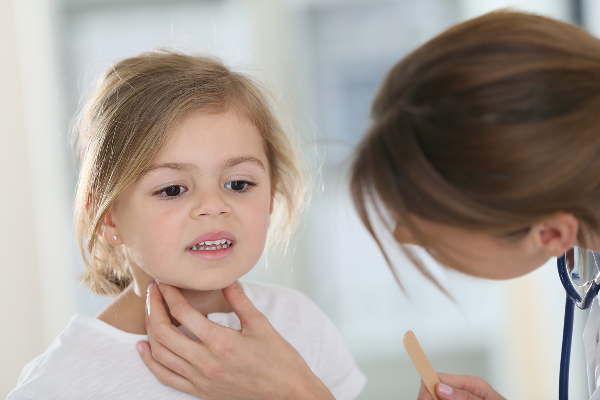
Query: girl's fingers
{"type": "Point", "coordinates": [241, 305]}
{"type": "Point", "coordinates": [164, 374]}
{"type": "Point", "coordinates": [183, 312]}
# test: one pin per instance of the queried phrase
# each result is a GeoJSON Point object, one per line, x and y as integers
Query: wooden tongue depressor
{"type": "Point", "coordinates": [418, 357]}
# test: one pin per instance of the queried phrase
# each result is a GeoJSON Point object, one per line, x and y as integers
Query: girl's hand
{"type": "Point", "coordinates": [460, 387]}
{"type": "Point", "coordinates": [254, 363]}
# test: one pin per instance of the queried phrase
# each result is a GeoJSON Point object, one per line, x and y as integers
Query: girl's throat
{"type": "Point", "coordinates": [127, 312]}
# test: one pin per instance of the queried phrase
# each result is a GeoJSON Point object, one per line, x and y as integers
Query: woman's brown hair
{"type": "Point", "coordinates": [491, 126]}
{"type": "Point", "coordinates": [127, 122]}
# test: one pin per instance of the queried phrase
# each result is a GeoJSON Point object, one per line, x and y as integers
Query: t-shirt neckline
{"type": "Point", "coordinates": [229, 319]}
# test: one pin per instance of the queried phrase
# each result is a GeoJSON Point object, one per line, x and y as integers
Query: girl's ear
{"type": "Point", "coordinates": [110, 232]}
{"type": "Point", "coordinates": [556, 234]}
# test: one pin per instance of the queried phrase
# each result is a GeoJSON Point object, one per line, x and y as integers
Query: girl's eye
{"type": "Point", "coordinates": [239, 186]}
{"type": "Point", "coordinates": [172, 191]}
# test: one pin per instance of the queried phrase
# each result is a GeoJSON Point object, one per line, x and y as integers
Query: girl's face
{"type": "Point", "coordinates": [198, 218]}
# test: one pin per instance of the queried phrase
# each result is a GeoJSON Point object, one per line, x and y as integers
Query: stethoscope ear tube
{"type": "Point", "coordinates": [564, 279]}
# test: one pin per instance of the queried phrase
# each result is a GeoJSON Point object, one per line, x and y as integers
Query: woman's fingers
{"type": "Point", "coordinates": [183, 312]}
{"type": "Point", "coordinates": [256, 363]}
{"type": "Point", "coordinates": [424, 393]}
{"type": "Point", "coordinates": [171, 360]}
{"type": "Point", "coordinates": [164, 374]}
{"type": "Point", "coordinates": [471, 384]}
{"type": "Point", "coordinates": [462, 387]}
{"type": "Point", "coordinates": [154, 303]}
{"type": "Point", "coordinates": [162, 332]}
{"type": "Point", "coordinates": [445, 392]}
{"type": "Point", "coordinates": [241, 305]}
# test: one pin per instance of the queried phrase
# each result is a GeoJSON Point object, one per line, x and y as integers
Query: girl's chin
{"type": "Point", "coordinates": [199, 288]}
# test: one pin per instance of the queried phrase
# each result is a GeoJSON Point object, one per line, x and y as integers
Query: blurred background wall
{"type": "Point", "coordinates": [325, 59]}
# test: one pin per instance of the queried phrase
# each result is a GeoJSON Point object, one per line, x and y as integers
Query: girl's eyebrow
{"type": "Point", "coordinates": [243, 159]}
{"type": "Point", "coordinates": [231, 162]}
{"type": "Point", "coordinates": [175, 166]}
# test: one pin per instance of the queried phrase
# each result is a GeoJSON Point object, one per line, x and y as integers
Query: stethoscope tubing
{"type": "Point", "coordinates": [565, 354]}
{"type": "Point", "coordinates": [564, 279]}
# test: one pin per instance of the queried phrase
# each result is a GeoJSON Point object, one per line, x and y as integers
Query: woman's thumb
{"type": "Point", "coordinates": [446, 392]}
{"type": "Point", "coordinates": [241, 304]}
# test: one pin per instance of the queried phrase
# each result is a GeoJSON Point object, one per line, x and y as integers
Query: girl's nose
{"type": "Point", "coordinates": [210, 203]}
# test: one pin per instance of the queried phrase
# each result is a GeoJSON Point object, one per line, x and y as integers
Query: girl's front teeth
{"type": "Point", "coordinates": [212, 245]}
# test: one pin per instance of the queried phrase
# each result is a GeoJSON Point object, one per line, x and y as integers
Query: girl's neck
{"type": "Point", "coordinates": [127, 311]}
{"type": "Point", "coordinates": [207, 302]}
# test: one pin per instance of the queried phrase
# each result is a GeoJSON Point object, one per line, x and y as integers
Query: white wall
{"type": "Point", "coordinates": [558, 9]}
{"type": "Point", "coordinates": [591, 9]}
{"type": "Point", "coordinates": [21, 310]}
{"type": "Point", "coordinates": [36, 297]}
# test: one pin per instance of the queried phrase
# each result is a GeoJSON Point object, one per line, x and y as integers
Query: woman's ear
{"type": "Point", "coordinates": [110, 232]}
{"type": "Point", "coordinates": [556, 234]}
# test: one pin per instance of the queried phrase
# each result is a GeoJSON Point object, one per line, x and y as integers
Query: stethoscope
{"type": "Point", "coordinates": [582, 285]}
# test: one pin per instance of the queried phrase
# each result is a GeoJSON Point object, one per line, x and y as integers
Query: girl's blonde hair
{"type": "Point", "coordinates": [127, 122]}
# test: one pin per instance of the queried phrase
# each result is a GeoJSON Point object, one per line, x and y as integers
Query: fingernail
{"type": "Point", "coordinates": [150, 285]}
{"type": "Point", "coordinates": [445, 389]}
{"type": "Point", "coordinates": [140, 348]}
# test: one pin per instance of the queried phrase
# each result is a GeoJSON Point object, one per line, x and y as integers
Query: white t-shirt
{"type": "Point", "coordinates": [93, 360]}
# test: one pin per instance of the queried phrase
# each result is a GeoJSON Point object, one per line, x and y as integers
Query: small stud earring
{"type": "Point", "coordinates": [115, 238]}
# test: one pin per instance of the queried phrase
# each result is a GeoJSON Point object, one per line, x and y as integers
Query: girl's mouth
{"type": "Point", "coordinates": [212, 245]}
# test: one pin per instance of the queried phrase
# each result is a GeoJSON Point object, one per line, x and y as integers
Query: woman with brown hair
{"type": "Point", "coordinates": [484, 150]}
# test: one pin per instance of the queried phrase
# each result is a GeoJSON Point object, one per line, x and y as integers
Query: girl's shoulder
{"type": "Point", "coordinates": [306, 327]}
{"type": "Point", "coordinates": [72, 353]}
{"type": "Point", "coordinates": [42, 374]}
{"type": "Point", "coordinates": [275, 297]}
{"type": "Point", "coordinates": [296, 317]}
{"type": "Point", "coordinates": [91, 359]}
{"type": "Point", "coordinates": [293, 314]}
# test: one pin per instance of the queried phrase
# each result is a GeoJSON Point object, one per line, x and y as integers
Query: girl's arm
{"type": "Point", "coordinates": [254, 363]}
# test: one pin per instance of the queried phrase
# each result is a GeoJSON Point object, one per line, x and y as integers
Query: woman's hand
{"type": "Point", "coordinates": [460, 387]}
{"type": "Point", "coordinates": [254, 363]}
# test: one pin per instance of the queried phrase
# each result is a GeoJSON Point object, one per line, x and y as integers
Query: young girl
{"type": "Point", "coordinates": [183, 164]}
